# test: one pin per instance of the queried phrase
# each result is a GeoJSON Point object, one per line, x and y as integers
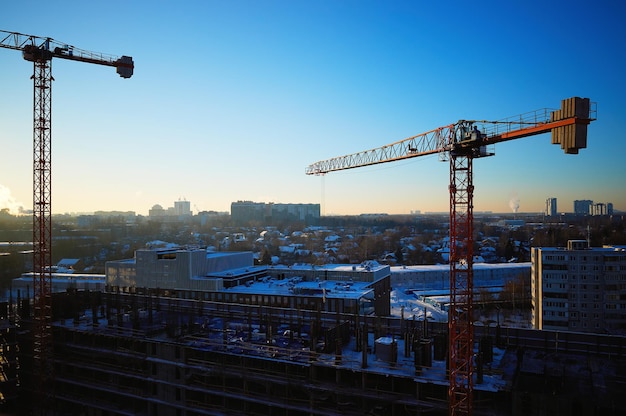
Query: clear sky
{"type": "Point", "coordinates": [232, 100]}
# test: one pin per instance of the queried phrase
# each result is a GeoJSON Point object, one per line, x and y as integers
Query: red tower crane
{"type": "Point", "coordinates": [40, 52]}
{"type": "Point", "coordinates": [461, 143]}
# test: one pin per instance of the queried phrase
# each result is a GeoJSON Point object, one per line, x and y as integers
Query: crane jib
{"type": "Point", "coordinates": [40, 49]}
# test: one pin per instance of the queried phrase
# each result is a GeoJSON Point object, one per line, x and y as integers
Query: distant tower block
{"type": "Point", "coordinates": [572, 136]}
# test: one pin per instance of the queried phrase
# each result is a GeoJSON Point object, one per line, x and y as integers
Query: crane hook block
{"type": "Point", "coordinates": [125, 66]}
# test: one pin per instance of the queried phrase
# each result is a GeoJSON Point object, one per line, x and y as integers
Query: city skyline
{"type": "Point", "coordinates": [593, 209]}
{"type": "Point", "coordinates": [232, 101]}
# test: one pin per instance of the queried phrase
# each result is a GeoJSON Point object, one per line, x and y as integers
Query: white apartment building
{"type": "Point", "coordinates": [579, 288]}
{"type": "Point", "coordinates": [551, 210]}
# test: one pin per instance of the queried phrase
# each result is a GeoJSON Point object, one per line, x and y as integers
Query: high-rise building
{"type": "Point", "coordinates": [587, 207]}
{"type": "Point", "coordinates": [551, 207]}
{"type": "Point", "coordinates": [583, 207]}
{"type": "Point", "coordinates": [182, 208]}
{"type": "Point", "coordinates": [579, 288]}
{"type": "Point", "coordinates": [243, 211]}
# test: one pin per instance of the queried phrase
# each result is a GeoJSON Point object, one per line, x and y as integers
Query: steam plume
{"type": "Point", "coordinates": [8, 202]}
{"type": "Point", "coordinates": [514, 203]}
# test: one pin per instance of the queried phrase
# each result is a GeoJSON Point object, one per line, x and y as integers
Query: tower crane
{"type": "Point", "coordinates": [40, 51]}
{"type": "Point", "coordinates": [460, 143]}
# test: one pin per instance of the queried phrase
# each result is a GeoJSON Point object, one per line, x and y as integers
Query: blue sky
{"type": "Point", "coordinates": [232, 100]}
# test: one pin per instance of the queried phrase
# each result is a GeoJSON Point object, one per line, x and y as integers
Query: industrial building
{"type": "Point", "coordinates": [579, 288]}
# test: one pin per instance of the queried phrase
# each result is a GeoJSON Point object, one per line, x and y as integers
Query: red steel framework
{"type": "Point", "coordinates": [461, 143]}
{"type": "Point", "coordinates": [40, 51]}
{"type": "Point", "coordinates": [460, 328]}
{"type": "Point", "coordinates": [42, 226]}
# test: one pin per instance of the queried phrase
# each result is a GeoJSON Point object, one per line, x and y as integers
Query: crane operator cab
{"type": "Point", "coordinates": [468, 131]}
{"type": "Point", "coordinates": [469, 139]}
{"type": "Point", "coordinates": [475, 134]}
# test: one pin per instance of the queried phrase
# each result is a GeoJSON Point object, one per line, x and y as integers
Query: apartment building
{"type": "Point", "coordinates": [244, 211]}
{"type": "Point", "coordinates": [579, 288]}
{"type": "Point", "coordinates": [551, 210]}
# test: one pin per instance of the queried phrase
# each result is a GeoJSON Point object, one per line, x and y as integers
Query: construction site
{"type": "Point", "coordinates": [144, 346]}
{"type": "Point", "coordinates": [152, 352]}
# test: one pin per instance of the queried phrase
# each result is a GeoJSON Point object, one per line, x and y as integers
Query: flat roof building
{"type": "Point", "coordinates": [233, 277]}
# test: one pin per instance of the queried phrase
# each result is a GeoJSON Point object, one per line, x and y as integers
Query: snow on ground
{"type": "Point", "coordinates": [414, 307]}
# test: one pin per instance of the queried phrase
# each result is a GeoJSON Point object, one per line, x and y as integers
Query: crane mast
{"type": "Point", "coordinates": [40, 52]}
{"type": "Point", "coordinates": [460, 143]}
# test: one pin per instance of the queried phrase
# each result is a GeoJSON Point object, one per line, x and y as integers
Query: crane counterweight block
{"type": "Point", "coordinates": [125, 66]}
{"type": "Point", "coordinates": [32, 53]}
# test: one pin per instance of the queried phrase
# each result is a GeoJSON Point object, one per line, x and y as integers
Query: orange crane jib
{"type": "Point", "coordinates": [568, 126]}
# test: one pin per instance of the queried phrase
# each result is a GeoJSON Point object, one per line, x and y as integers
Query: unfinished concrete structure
{"type": "Point", "coordinates": [127, 353]}
{"type": "Point", "coordinates": [287, 341]}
